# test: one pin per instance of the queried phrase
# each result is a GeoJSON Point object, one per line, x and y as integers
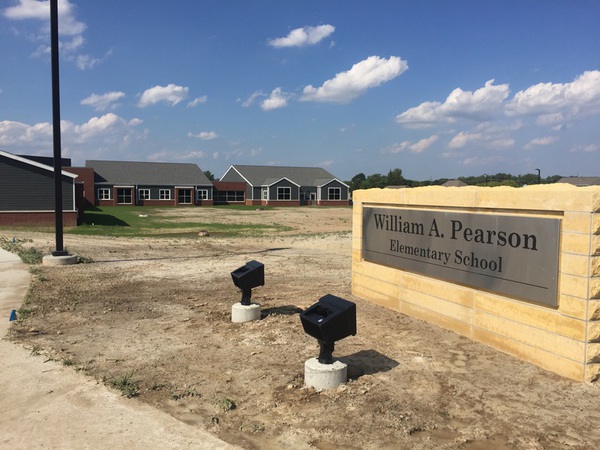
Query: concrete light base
{"type": "Point", "coordinates": [245, 313]}
{"type": "Point", "coordinates": [324, 376]}
{"type": "Point", "coordinates": [51, 260]}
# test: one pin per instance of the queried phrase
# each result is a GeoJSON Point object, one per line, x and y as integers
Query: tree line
{"type": "Point", "coordinates": [395, 178]}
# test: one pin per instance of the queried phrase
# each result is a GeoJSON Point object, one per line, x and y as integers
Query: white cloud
{"type": "Point", "coordinates": [197, 101]}
{"type": "Point", "coordinates": [366, 74]}
{"type": "Point", "coordinates": [250, 100]}
{"type": "Point", "coordinates": [580, 97]}
{"type": "Point", "coordinates": [204, 135]}
{"type": "Point", "coordinates": [277, 99]}
{"type": "Point", "coordinates": [171, 93]}
{"type": "Point", "coordinates": [539, 142]}
{"type": "Point", "coordinates": [328, 163]}
{"type": "Point", "coordinates": [68, 25]}
{"type": "Point", "coordinates": [417, 147]}
{"type": "Point", "coordinates": [104, 101]}
{"type": "Point", "coordinates": [486, 140]}
{"type": "Point", "coordinates": [586, 148]}
{"type": "Point", "coordinates": [106, 129]}
{"type": "Point", "coordinates": [301, 37]}
{"type": "Point", "coordinates": [478, 105]}
{"type": "Point", "coordinates": [167, 155]}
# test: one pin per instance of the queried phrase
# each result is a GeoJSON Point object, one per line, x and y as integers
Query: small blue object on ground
{"type": "Point", "coordinates": [13, 315]}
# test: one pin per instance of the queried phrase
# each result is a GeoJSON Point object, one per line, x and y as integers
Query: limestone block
{"type": "Point", "coordinates": [547, 360]}
{"type": "Point", "coordinates": [574, 286]}
{"type": "Point", "coordinates": [386, 301]}
{"type": "Point", "coordinates": [535, 337]}
{"type": "Point", "coordinates": [434, 317]}
{"type": "Point", "coordinates": [439, 304]}
{"type": "Point", "coordinates": [593, 331]}
{"type": "Point", "coordinates": [594, 310]}
{"type": "Point", "coordinates": [531, 315]}
{"type": "Point", "coordinates": [577, 222]}
{"type": "Point", "coordinates": [578, 265]}
{"type": "Point", "coordinates": [436, 288]}
{"type": "Point", "coordinates": [573, 307]}
{"type": "Point", "coordinates": [592, 373]}
{"type": "Point", "coordinates": [593, 353]}
{"type": "Point", "coordinates": [576, 243]}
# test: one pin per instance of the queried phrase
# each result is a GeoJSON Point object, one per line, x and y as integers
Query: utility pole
{"type": "Point", "coordinates": [58, 203]}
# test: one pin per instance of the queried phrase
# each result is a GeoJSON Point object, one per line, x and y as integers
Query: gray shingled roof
{"type": "Point", "coordinates": [147, 173]}
{"type": "Point", "coordinates": [581, 181]}
{"type": "Point", "coordinates": [267, 175]}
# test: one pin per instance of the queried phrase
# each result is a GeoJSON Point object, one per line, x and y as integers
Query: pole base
{"type": "Point", "coordinates": [324, 376]}
{"type": "Point", "coordinates": [51, 260]}
{"type": "Point", "coordinates": [245, 313]}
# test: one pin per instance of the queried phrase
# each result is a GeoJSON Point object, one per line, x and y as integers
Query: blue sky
{"type": "Point", "coordinates": [439, 89]}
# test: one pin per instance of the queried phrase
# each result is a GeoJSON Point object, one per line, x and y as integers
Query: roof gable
{"type": "Point", "coordinates": [33, 163]}
{"type": "Point", "coordinates": [148, 173]}
{"type": "Point", "coordinates": [267, 175]}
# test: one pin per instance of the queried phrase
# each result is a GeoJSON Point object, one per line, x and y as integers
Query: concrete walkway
{"type": "Point", "coordinates": [46, 405]}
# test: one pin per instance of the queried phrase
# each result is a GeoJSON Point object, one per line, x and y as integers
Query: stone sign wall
{"type": "Point", "coordinates": [516, 269]}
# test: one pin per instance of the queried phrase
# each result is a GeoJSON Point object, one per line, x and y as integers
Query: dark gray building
{"type": "Point", "coordinates": [283, 186]}
{"type": "Point", "coordinates": [27, 192]}
{"type": "Point", "coordinates": [150, 184]}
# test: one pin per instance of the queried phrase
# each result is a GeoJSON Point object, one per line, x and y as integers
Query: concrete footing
{"type": "Point", "coordinates": [245, 313]}
{"type": "Point", "coordinates": [51, 260]}
{"type": "Point", "coordinates": [324, 376]}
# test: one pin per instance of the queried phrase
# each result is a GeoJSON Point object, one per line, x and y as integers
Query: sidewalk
{"type": "Point", "coordinates": [46, 405]}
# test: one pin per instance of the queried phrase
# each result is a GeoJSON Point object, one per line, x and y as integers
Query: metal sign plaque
{"type": "Point", "coordinates": [515, 256]}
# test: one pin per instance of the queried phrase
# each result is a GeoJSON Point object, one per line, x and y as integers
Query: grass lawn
{"type": "Point", "coordinates": [147, 221]}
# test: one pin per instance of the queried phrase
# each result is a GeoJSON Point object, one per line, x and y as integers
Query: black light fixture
{"type": "Point", "coordinates": [247, 277]}
{"type": "Point", "coordinates": [329, 320]}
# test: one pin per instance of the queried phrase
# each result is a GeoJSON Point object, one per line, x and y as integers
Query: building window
{"type": "Point", "coordinates": [184, 196]}
{"type": "Point", "coordinates": [144, 194]}
{"type": "Point", "coordinates": [229, 196]}
{"type": "Point", "coordinates": [164, 194]}
{"type": "Point", "coordinates": [265, 194]}
{"type": "Point", "coordinates": [334, 193]}
{"type": "Point", "coordinates": [103, 194]}
{"type": "Point", "coordinates": [124, 196]}
{"type": "Point", "coordinates": [284, 193]}
{"type": "Point", "coordinates": [202, 194]}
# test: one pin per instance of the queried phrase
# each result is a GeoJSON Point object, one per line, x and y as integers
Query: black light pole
{"type": "Point", "coordinates": [58, 204]}
{"type": "Point", "coordinates": [539, 176]}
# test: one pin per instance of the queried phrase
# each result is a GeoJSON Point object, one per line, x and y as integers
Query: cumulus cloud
{"type": "Point", "coordinates": [68, 25]}
{"type": "Point", "coordinates": [540, 142]}
{"type": "Point", "coordinates": [197, 101]}
{"type": "Point", "coordinates": [250, 100]}
{"type": "Point", "coordinates": [277, 99]}
{"type": "Point", "coordinates": [171, 93]}
{"type": "Point", "coordinates": [586, 148]}
{"type": "Point", "coordinates": [464, 139]}
{"type": "Point", "coordinates": [168, 155]}
{"type": "Point", "coordinates": [106, 129]}
{"type": "Point", "coordinates": [478, 105]}
{"type": "Point", "coordinates": [366, 74]}
{"type": "Point", "coordinates": [301, 37]}
{"type": "Point", "coordinates": [580, 97]}
{"type": "Point", "coordinates": [416, 147]}
{"type": "Point", "coordinates": [204, 135]}
{"type": "Point", "coordinates": [104, 101]}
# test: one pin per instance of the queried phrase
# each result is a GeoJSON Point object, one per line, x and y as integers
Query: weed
{"type": "Point", "coordinates": [68, 362]}
{"type": "Point", "coordinates": [29, 255]}
{"type": "Point", "coordinates": [225, 404]}
{"type": "Point", "coordinates": [35, 351]}
{"type": "Point", "coordinates": [186, 393]}
{"type": "Point", "coordinates": [126, 384]}
{"type": "Point", "coordinates": [23, 313]}
{"type": "Point", "coordinates": [84, 260]}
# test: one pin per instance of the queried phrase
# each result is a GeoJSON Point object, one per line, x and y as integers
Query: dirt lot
{"type": "Point", "coordinates": [153, 316]}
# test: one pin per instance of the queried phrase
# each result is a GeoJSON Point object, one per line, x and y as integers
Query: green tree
{"type": "Point", "coordinates": [395, 178]}
{"type": "Point", "coordinates": [357, 181]}
{"type": "Point", "coordinates": [209, 174]}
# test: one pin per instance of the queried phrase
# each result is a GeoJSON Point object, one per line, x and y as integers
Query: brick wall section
{"type": "Point", "coordinates": [565, 341]}
{"type": "Point", "coordinates": [36, 219]}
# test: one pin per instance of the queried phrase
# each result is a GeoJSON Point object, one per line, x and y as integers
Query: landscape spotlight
{"type": "Point", "coordinates": [249, 276]}
{"type": "Point", "coordinates": [329, 320]}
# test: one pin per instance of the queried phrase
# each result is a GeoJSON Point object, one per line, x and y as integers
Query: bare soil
{"type": "Point", "coordinates": [157, 312]}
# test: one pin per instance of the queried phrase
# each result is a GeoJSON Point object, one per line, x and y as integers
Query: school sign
{"type": "Point", "coordinates": [512, 255]}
